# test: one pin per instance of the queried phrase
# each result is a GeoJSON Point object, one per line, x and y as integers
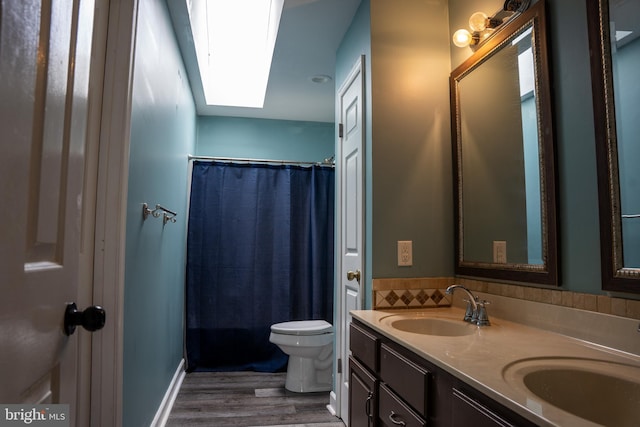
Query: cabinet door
{"type": "Point", "coordinates": [363, 400]}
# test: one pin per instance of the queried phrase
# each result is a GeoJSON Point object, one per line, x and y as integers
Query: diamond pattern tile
{"type": "Point", "coordinates": [410, 298]}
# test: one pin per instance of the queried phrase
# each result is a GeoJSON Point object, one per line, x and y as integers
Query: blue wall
{"type": "Point", "coordinates": [575, 147]}
{"type": "Point", "coordinates": [162, 134]}
{"type": "Point", "coordinates": [264, 139]}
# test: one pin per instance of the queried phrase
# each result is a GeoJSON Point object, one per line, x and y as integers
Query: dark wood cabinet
{"type": "Point", "coordinates": [391, 386]}
{"type": "Point", "coordinates": [363, 380]}
{"type": "Point", "coordinates": [363, 396]}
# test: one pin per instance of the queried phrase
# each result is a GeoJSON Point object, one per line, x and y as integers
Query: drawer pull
{"type": "Point", "coordinates": [393, 418]}
{"type": "Point", "coordinates": [367, 406]}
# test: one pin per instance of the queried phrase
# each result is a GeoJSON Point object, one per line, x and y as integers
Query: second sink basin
{"type": "Point", "coordinates": [602, 392]}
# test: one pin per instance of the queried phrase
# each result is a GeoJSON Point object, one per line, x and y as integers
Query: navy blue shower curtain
{"type": "Point", "coordinates": [259, 252]}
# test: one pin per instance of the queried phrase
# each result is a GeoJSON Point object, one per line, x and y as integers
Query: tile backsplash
{"type": "Point", "coordinates": [410, 293]}
{"type": "Point", "coordinates": [425, 292]}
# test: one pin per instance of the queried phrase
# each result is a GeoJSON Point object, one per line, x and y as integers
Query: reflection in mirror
{"type": "Point", "coordinates": [501, 197]}
{"type": "Point", "coordinates": [503, 146]}
{"type": "Point", "coordinates": [614, 30]}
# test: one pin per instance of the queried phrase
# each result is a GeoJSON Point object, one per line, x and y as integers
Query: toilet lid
{"type": "Point", "coordinates": [303, 327]}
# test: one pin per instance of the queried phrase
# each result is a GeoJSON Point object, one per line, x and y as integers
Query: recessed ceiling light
{"type": "Point", "coordinates": [321, 78]}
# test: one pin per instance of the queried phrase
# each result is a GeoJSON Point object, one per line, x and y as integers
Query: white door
{"type": "Point", "coordinates": [45, 53]}
{"type": "Point", "coordinates": [351, 218]}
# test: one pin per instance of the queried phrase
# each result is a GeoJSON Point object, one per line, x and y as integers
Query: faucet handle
{"type": "Point", "coordinates": [482, 317]}
{"type": "Point", "coordinates": [470, 313]}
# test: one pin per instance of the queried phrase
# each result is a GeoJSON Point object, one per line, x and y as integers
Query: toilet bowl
{"type": "Point", "coordinates": [309, 344]}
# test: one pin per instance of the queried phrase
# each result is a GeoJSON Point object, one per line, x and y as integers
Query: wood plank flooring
{"type": "Point", "coordinates": [236, 399]}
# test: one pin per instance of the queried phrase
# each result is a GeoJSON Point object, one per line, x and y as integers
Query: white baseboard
{"type": "Point", "coordinates": [169, 397]}
{"type": "Point", "coordinates": [333, 404]}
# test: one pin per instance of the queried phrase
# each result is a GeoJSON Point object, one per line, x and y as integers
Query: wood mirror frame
{"type": "Point", "coordinates": [615, 276]}
{"type": "Point", "coordinates": [545, 272]}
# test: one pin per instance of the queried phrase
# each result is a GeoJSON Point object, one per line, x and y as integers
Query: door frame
{"type": "Point", "coordinates": [85, 295]}
{"type": "Point", "coordinates": [341, 367]}
{"type": "Point", "coordinates": [110, 210]}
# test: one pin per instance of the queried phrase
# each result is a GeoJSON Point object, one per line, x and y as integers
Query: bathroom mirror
{"type": "Point", "coordinates": [503, 144]}
{"type": "Point", "coordinates": [614, 30]}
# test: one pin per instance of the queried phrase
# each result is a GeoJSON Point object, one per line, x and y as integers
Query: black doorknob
{"type": "Point", "coordinates": [92, 318]}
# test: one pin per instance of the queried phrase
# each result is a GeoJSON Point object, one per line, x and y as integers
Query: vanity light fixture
{"type": "Point", "coordinates": [482, 26]}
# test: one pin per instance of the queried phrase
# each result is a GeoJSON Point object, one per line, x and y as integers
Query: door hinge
{"type": "Point", "coordinates": [339, 366]}
{"type": "Point", "coordinates": [340, 130]}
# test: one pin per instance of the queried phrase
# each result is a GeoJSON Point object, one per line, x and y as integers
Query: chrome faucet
{"type": "Point", "coordinates": [472, 306]}
{"type": "Point", "coordinates": [476, 309]}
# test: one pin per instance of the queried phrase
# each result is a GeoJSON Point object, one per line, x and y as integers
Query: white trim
{"type": "Point", "coordinates": [333, 404]}
{"type": "Point", "coordinates": [169, 397]}
{"type": "Point", "coordinates": [334, 397]}
{"type": "Point", "coordinates": [111, 203]}
{"type": "Point", "coordinates": [337, 400]}
{"type": "Point", "coordinates": [89, 197]}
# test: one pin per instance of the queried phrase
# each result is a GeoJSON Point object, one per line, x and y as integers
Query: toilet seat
{"type": "Point", "coordinates": [302, 327]}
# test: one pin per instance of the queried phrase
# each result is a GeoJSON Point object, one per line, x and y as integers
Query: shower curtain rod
{"type": "Point", "coordinates": [326, 162]}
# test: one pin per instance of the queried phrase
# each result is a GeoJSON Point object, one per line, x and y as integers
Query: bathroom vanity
{"type": "Point", "coordinates": [390, 385]}
{"type": "Point", "coordinates": [429, 368]}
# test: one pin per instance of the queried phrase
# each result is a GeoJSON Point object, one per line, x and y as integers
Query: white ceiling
{"type": "Point", "coordinates": [309, 35]}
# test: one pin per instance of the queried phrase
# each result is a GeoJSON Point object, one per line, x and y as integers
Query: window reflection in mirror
{"type": "Point", "coordinates": [503, 149]}
{"type": "Point", "coordinates": [625, 54]}
{"type": "Point", "coordinates": [614, 38]}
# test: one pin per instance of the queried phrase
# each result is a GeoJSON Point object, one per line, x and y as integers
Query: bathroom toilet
{"type": "Point", "coordinates": [309, 344]}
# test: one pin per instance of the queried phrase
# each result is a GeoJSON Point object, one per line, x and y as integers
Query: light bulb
{"type": "Point", "coordinates": [478, 21]}
{"type": "Point", "coordinates": [462, 38]}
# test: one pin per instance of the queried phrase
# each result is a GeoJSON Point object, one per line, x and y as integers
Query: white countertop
{"type": "Point", "coordinates": [491, 357]}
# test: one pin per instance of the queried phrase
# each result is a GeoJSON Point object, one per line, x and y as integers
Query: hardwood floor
{"type": "Point", "coordinates": [247, 399]}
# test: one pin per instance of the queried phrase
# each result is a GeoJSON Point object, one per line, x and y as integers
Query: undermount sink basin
{"type": "Point", "coordinates": [431, 325]}
{"type": "Point", "coordinates": [603, 392]}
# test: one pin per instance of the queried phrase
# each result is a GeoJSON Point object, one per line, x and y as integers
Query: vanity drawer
{"type": "Point", "coordinates": [407, 379]}
{"type": "Point", "coordinates": [394, 412]}
{"type": "Point", "coordinates": [364, 346]}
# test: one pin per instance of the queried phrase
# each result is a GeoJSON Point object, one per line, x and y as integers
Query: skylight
{"type": "Point", "coordinates": [622, 34]}
{"type": "Point", "coordinates": [234, 42]}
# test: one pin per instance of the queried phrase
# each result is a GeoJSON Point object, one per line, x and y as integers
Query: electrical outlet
{"type": "Point", "coordinates": [500, 251]}
{"type": "Point", "coordinates": [405, 253]}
